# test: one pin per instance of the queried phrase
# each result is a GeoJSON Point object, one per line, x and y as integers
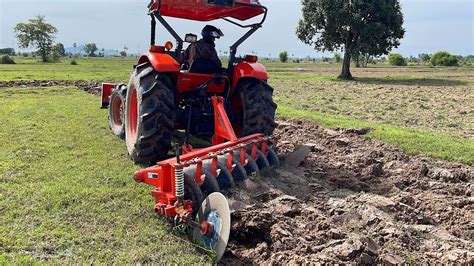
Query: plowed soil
{"type": "Point", "coordinates": [351, 200]}
{"type": "Point", "coordinates": [93, 87]}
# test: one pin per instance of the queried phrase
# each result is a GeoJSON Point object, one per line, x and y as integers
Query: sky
{"type": "Point", "coordinates": [431, 25]}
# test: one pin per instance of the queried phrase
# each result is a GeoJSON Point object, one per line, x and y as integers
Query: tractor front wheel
{"type": "Point", "coordinates": [150, 115]}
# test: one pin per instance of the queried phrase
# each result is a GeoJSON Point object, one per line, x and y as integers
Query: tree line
{"type": "Point", "coordinates": [440, 58]}
{"type": "Point", "coordinates": [40, 35]}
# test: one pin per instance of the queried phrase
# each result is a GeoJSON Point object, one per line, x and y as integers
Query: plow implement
{"type": "Point", "coordinates": [182, 182]}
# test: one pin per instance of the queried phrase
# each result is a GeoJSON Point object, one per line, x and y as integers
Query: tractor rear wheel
{"type": "Point", "coordinates": [117, 110]}
{"type": "Point", "coordinates": [150, 115]}
{"type": "Point", "coordinates": [258, 107]}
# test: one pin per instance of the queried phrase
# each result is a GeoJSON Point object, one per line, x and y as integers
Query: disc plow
{"type": "Point", "coordinates": [182, 182]}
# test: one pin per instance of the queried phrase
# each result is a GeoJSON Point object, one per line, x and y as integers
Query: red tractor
{"type": "Point", "coordinates": [166, 102]}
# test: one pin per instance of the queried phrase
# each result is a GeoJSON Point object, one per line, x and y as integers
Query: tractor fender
{"type": "Point", "coordinates": [248, 70]}
{"type": "Point", "coordinates": [160, 62]}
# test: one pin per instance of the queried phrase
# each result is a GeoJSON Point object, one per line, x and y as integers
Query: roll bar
{"type": "Point", "coordinates": [155, 15]}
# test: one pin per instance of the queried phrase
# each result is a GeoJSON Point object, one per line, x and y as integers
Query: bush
{"type": "Point", "coordinates": [443, 58]}
{"type": "Point", "coordinates": [73, 62]}
{"type": "Point", "coordinates": [397, 60]}
{"type": "Point", "coordinates": [337, 57]}
{"type": "Point", "coordinates": [5, 59]}
{"type": "Point", "coordinates": [283, 56]}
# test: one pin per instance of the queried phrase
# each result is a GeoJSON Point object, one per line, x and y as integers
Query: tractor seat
{"type": "Point", "coordinates": [204, 66]}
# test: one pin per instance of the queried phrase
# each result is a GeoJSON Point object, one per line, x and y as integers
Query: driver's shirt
{"type": "Point", "coordinates": [201, 49]}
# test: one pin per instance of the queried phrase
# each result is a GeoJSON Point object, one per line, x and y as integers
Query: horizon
{"type": "Point", "coordinates": [424, 21]}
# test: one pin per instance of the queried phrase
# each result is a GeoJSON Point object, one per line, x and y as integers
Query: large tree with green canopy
{"type": "Point", "coordinates": [359, 27]}
{"type": "Point", "coordinates": [36, 33]}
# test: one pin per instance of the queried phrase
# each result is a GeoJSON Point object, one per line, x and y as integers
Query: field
{"type": "Point", "coordinates": [410, 106]}
{"type": "Point", "coordinates": [67, 194]}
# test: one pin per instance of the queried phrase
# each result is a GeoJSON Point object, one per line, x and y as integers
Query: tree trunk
{"type": "Point", "coordinates": [366, 60]}
{"type": "Point", "coordinates": [43, 54]}
{"type": "Point", "coordinates": [346, 65]}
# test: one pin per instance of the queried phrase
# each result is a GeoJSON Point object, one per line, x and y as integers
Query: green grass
{"type": "Point", "coordinates": [413, 141]}
{"type": "Point", "coordinates": [66, 191]}
{"type": "Point", "coordinates": [102, 69]}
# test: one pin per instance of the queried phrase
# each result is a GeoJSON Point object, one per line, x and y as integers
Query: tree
{"type": "Point", "coordinates": [59, 49]}
{"type": "Point", "coordinates": [7, 51]}
{"type": "Point", "coordinates": [397, 60]}
{"type": "Point", "coordinates": [362, 60]}
{"type": "Point", "coordinates": [36, 33]}
{"type": "Point", "coordinates": [283, 56]}
{"type": "Point", "coordinates": [443, 58]}
{"type": "Point", "coordinates": [123, 54]}
{"type": "Point", "coordinates": [425, 58]}
{"type": "Point", "coordinates": [90, 49]}
{"type": "Point", "coordinates": [359, 27]}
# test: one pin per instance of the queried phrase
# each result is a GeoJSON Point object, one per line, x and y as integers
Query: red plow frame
{"type": "Point", "coordinates": [167, 175]}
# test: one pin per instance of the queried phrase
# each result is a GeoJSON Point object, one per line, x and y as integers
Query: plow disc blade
{"type": "Point", "coordinates": [238, 173]}
{"type": "Point", "coordinates": [224, 178]}
{"type": "Point", "coordinates": [272, 158]}
{"type": "Point", "coordinates": [262, 161]}
{"type": "Point", "coordinates": [251, 167]}
{"type": "Point", "coordinates": [215, 211]}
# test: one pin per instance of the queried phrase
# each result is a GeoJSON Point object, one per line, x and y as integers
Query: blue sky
{"type": "Point", "coordinates": [431, 25]}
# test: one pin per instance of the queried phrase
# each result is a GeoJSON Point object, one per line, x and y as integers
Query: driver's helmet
{"type": "Point", "coordinates": [210, 31]}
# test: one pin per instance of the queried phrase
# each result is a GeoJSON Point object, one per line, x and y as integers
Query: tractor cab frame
{"type": "Point", "coordinates": [224, 9]}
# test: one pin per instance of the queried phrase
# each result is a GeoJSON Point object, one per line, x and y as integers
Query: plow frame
{"type": "Point", "coordinates": [224, 143]}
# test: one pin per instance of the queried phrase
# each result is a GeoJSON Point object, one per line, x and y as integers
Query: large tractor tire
{"type": "Point", "coordinates": [258, 107]}
{"type": "Point", "coordinates": [150, 115]}
{"type": "Point", "coordinates": [117, 111]}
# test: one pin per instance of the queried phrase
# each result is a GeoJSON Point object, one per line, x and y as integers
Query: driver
{"type": "Point", "coordinates": [204, 48]}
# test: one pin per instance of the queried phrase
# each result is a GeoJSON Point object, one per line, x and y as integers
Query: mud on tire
{"type": "Point", "coordinates": [150, 115]}
{"type": "Point", "coordinates": [258, 107]}
{"type": "Point", "coordinates": [117, 110]}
